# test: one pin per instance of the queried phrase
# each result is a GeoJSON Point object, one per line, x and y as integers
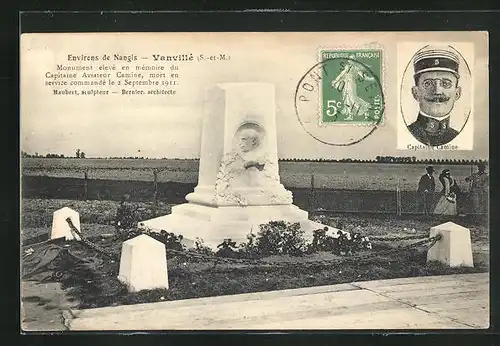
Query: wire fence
{"type": "Point", "coordinates": [399, 196]}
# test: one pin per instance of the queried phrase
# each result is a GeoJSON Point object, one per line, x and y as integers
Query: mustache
{"type": "Point", "coordinates": [437, 98]}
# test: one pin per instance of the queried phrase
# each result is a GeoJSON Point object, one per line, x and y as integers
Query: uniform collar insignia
{"type": "Point", "coordinates": [433, 125]}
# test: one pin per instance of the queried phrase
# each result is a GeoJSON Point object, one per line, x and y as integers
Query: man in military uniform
{"type": "Point", "coordinates": [436, 90]}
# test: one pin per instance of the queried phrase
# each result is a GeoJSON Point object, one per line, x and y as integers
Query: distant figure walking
{"type": "Point", "coordinates": [479, 189]}
{"type": "Point", "coordinates": [426, 188]}
{"type": "Point", "coordinates": [447, 204]}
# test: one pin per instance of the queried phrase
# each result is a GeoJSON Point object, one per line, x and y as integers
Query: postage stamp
{"type": "Point", "coordinates": [345, 88]}
{"type": "Point", "coordinates": [351, 89]}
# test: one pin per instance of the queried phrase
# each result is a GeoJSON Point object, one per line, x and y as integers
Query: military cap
{"type": "Point", "coordinates": [435, 59]}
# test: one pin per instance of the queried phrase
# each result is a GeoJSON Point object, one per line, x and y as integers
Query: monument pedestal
{"type": "Point", "coordinates": [214, 224]}
{"type": "Point", "coordinates": [238, 182]}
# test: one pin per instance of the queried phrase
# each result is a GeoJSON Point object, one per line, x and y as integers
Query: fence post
{"type": "Point", "coordinates": [41, 188]}
{"type": "Point", "coordinates": [398, 199]}
{"type": "Point", "coordinates": [85, 185]}
{"type": "Point", "coordinates": [155, 193]}
{"type": "Point", "coordinates": [471, 209]}
{"type": "Point", "coordinates": [311, 194]}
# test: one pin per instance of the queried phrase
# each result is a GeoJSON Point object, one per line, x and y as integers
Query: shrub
{"type": "Point", "coordinates": [321, 241]}
{"type": "Point", "coordinates": [284, 238]}
{"type": "Point", "coordinates": [340, 245]}
{"type": "Point", "coordinates": [347, 245]}
{"type": "Point", "coordinates": [129, 214]}
{"type": "Point", "coordinates": [170, 240]}
{"type": "Point", "coordinates": [249, 249]}
{"type": "Point", "coordinates": [274, 238]}
{"type": "Point", "coordinates": [227, 249]}
{"type": "Point", "coordinates": [200, 248]}
{"type": "Point", "coordinates": [344, 245]}
{"type": "Point", "coordinates": [126, 217]}
{"type": "Point", "coordinates": [360, 243]}
{"type": "Point", "coordinates": [280, 238]}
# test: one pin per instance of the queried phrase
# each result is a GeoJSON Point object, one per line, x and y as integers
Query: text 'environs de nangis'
{"type": "Point", "coordinates": [131, 57]}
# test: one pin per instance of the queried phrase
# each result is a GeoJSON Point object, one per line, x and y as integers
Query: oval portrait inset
{"type": "Point", "coordinates": [435, 95]}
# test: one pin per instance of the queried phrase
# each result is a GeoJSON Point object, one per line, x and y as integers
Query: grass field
{"type": "Point", "coordinates": [336, 176]}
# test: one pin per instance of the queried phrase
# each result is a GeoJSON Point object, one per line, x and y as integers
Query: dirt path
{"type": "Point", "coordinates": [42, 305]}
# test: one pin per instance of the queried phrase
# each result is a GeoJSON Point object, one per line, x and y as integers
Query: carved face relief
{"type": "Point", "coordinates": [248, 137]}
{"type": "Point", "coordinates": [248, 140]}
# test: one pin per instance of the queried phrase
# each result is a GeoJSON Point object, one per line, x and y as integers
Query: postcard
{"type": "Point", "coordinates": [254, 181]}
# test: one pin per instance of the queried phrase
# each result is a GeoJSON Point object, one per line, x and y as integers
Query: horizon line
{"type": "Point", "coordinates": [385, 157]}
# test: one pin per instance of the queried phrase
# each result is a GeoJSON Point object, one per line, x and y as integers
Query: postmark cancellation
{"type": "Point", "coordinates": [340, 100]}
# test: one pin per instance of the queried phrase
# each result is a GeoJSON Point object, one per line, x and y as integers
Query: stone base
{"type": "Point", "coordinates": [214, 224]}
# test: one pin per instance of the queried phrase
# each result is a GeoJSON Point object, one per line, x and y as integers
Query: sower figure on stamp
{"type": "Point", "coordinates": [436, 90]}
{"type": "Point", "coordinates": [426, 188]}
{"type": "Point", "coordinates": [479, 189]}
{"type": "Point", "coordinates": [347, 83]}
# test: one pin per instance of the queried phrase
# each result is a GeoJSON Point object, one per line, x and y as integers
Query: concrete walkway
{"type": "Point", "coordinates": [432, 302]}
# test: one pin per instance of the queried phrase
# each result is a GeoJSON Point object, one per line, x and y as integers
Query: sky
{"type": "Point", "coordinates": [171, 126]}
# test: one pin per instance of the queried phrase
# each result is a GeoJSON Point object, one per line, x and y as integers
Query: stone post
{"type": "Point", "coordinates": [60, 227]}
{"type": "Point", "coordinates": [143, 264]}
{"type": "Point", "coordinates": [454, 249]}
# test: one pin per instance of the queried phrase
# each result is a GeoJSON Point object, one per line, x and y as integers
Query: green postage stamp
{"type": "Point", "coordinates": [351, 87]}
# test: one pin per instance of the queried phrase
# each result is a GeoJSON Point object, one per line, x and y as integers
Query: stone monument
{"type": "Point", "coordinates": [238, 184]}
